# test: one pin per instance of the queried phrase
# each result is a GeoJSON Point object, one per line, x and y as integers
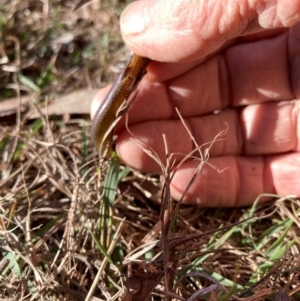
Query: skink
{"type": "Point", "coordinates": [114, 104]}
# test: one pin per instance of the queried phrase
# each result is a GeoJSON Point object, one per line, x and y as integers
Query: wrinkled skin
{"type": "Point", "coordinates": [239, 58]}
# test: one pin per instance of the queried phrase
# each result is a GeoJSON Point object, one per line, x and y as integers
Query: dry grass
{"type": "Point", "coordinates": [71, 230]}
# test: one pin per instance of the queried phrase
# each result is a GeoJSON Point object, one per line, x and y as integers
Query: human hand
{"type": "Point", "coordinates": [236, 57]}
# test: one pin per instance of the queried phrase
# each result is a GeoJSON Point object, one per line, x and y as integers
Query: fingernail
{"type": "Point", "coordinates": [134, 18]}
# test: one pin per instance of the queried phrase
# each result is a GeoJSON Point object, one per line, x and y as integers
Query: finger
{"type": "Point", "coordinates": [198, 28]}
{"type": "Point", "coordinates": [260, 71]}
{"type": "Point", "coordinates": [255, 130]}
{"type": "Point", "coordinates": [164, 71]}
{"type": "Point", "coordinates": [237, 181]}
{"type": "Point", "coordinates": [249, 73]}
{"type": "Point", "coordinates": [98, 99]}
{"type": "Point", "coordinates": [294, 58]}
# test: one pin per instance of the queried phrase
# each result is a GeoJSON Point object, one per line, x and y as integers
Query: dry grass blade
{"type": "Point", "coordinates": [80, 4]}
{"type": "Point", "coordinates": [104, 263]}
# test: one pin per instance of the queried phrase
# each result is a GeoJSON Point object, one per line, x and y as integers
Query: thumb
{"type": "Point", "coordinates": [186, 30]}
